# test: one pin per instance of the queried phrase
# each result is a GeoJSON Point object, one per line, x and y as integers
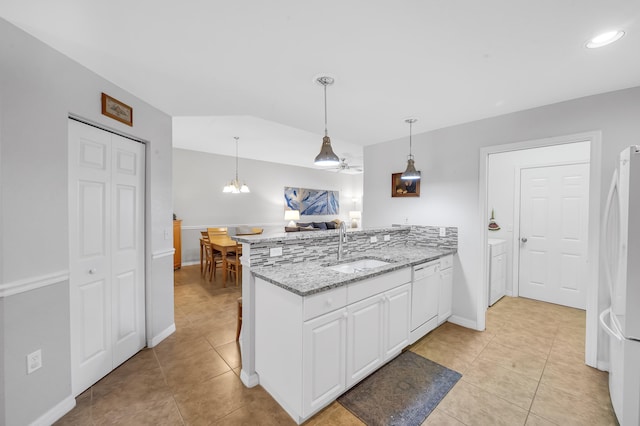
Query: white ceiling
{"type": "Point", "coordinates": [247, 68]}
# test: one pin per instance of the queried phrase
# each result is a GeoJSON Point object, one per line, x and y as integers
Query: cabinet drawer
{"type": "Point", "coordinates": [446, 262]}
{"type": "Point", "coordinates": [327, 301]}
{"type": "Point", "coordinates": [365, 288]}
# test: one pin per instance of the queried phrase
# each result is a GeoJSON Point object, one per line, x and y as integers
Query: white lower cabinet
{"type": "Point", "coordinates": [364, 338]}
{"type": "Point", "coordinates": [309, 350]}
{"type": "Point", "coordinates": [397, 308]}
{"type": "Point", "coordinates": [445, 299]}
{"type": "Point", "coordinates": [323, 360]}
{"type": "Point", "coordinates": [377, 330]}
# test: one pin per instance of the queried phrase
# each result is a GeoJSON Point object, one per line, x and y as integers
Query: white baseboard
{"type": "Point", "coordinates": [249, 380]}
{"type": "Point", "coordinates": [463, 322]}
{"type": "Point", "coordinates": [55, 413]}
{"type": "Point", "coordinates": [161, 336]}
{"type": "Point", "coordinates": [603, 365]}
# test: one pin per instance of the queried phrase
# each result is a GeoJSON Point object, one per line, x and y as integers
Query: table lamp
{"type": "Point", "coordinates": [292, 216]}
{"type": "Point", "coordinates": [355, 215]}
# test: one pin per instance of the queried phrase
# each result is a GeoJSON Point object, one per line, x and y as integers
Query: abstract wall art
{"type": "Point", "coordinates": [312, 201]}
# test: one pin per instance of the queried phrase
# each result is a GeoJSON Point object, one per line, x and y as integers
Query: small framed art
{"type": "Point", "coordinates": [117, 110]}
{"type": "Point", "coordinates": [404, 188]}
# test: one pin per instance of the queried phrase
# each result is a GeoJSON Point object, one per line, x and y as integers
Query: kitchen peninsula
{"type": "Point", "coordinates": [314, 326]}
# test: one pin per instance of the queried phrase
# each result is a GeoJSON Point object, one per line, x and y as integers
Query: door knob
{"type": "Point", "coordinates": [523, 239]}
{"type": "Point", "coordinates": [92, 271]}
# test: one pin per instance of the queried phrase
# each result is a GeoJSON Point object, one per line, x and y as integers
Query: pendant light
{"type": "Point", "coordinates": [326, 157]}
{"type": "Point", "coordinates": [410, 173]}
{"type": "Point", "coordinates": [234, 186]}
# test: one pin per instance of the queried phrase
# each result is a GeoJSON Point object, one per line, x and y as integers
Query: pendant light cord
{"type": "Point", "coordinates": [325, 110]}
{"type": "Point", "coordinates": [410, 133]}
{"type": "Point", "coordinates": [236, 138]}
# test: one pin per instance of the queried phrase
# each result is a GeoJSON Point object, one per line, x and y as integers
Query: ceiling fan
{"type": "Point", "coordinates": [345, 167]}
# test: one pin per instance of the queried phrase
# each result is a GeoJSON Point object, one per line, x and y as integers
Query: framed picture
{"type": "Point", "coordinates": [117, 110]}
{"type": "Point", "coordinates": [404, 188]}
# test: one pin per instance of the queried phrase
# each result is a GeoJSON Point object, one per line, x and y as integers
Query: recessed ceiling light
{"type": "Point", "coordinates": [604, 39]}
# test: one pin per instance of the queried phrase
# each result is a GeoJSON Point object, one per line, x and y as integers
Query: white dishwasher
{"type": "Point", "coordinates": [424, 299]}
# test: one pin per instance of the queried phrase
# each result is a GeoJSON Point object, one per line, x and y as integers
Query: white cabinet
{"type": "Point", "coordinates": [378, 330]}
{"type": "Point", "coordinates": [364, 338]}
{"type": "Point", "coordinates": [397, 310]}
{"type": "Point", "coordinates": [445, 298]}
{"type": "Point", "coordinates": [309, 350]}
{"type": "Point", "coordinates": [497, 269]}
{"type": "Point", "coordinates": [323, 361]}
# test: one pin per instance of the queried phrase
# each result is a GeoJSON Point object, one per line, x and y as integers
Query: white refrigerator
{"type": "Point", "coordinates": [621, 321]}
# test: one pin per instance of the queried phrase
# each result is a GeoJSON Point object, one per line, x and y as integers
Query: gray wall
{"type": "Point", "coordinates": [449, 160]}
{"type": "Point", "coordinates": [198, 179]}
{"type": "Point", "coordinates": [39, 88]}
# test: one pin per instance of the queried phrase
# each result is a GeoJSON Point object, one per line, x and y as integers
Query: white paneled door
{"type": "Point", "coordinates": [554, 204]}
{"type": "Point", "coordinates": [106, 242]}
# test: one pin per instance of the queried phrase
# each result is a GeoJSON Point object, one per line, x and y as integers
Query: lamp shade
{"type": "Point", "coordinates": [355, 214]}
{"type": "Point", "coordinates": [292, 216]}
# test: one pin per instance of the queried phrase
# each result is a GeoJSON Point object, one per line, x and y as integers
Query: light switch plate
{"type": "Point", "coordinates": [387, 237]}
{"type": "Point", "coordinates": [443, 231]}
{"type": "Point", "coordinates": [374, 239]}
{"type": "Point", "coordinates": [275, 251]}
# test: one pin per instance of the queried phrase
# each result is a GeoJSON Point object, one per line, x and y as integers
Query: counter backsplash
{"type": "Point", "coordinates": [325, 245]}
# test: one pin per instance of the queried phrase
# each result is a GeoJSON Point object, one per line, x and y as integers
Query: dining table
{"type": "Point", "coordinates": [224, 244]}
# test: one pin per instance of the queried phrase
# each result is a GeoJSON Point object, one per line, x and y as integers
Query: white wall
{"type": "Point", "coordinates": [501, 187]}
{"type": "Point", "coordinates": [449, 160]}
{"type": "Point", "coordinates": [39, 88]}
{"type": "Point", "coordinates": [198, 179]}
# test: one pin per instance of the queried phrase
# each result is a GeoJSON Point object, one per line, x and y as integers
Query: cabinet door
{"type": "Point", "coordinates": [324, 348]}
{"type": "Point", "coordinates": [397, 303]}
{"type": "Point", "coordinates": [364, 338]}
{"type": "Point", "coordinates": [446, 295]}
{"type": "Point", "coordinates": [498, 278]}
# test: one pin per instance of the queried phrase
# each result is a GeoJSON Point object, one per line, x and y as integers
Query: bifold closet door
{"type": "Point", "coordinates": [106, 226]}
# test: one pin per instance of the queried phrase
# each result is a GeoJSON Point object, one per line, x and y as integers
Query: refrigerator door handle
{"type": "Point", "coordinates": [607, 209]}
{"type": "Point", "coordinates": [610, 331]}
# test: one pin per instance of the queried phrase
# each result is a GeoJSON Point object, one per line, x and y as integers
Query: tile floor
{"type": "Point", "coordinates": [526, 369]}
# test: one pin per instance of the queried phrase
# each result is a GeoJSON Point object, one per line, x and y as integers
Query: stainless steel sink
{"type": "Point", "coordinates": [358, 265]}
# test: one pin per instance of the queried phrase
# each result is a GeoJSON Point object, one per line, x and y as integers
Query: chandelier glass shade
{"type": "Point", "coordinates": [234, 186]}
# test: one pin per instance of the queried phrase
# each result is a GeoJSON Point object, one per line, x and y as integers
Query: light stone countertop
{"type": "Point", "coordinates": [310, 277]}
{"type": "Point", "coordinates": [309, 235]}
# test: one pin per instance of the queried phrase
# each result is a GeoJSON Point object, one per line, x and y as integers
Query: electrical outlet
{"type": "Point", "coordinates": [275, 251]}
{"type": "Point", "coordinates": [443, 231]}
{"type": "Point", "coordinates": [387, 237]}
{"type": "Point", "coordinates": [374, 239]}
{"type": "Point", "coordinates": [34, 361]}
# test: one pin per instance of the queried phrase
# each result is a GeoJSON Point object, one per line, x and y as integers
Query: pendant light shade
{"type": "Point", "coordinates": [234, 186]}
{"type": "Point", "coordinates": [410, 173]}
{"type": "Point", "coordinates": [326, 157]}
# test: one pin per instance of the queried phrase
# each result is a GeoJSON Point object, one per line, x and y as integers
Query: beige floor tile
{"type": "Point", "coordinates": [574, 377]}
{"type": "Point", "coordinates": [533, 420]}
{"type": "Point", "coordinates": [214, 399]}
{"type": "Point", "coordinates": [186, 372]}
{"type": "Point", "coordinates": [516, 360]}
{"type": "Point", "coordinates": [502, 382]}
{"type": "Point", "coordinates": [334, 415]}
{"type": "Point", "coordinates": [192, 377]}
{"type": "Point", "coordinates": [525, 341]}
{"type": "Point", "coordinates": [474, 406]}
{"type": "Point", "coordinates": [230, 352]}
{"type": "Point", "coordinates": [440, 418]}
{"type": "Point", "coordinates": [565, 408]}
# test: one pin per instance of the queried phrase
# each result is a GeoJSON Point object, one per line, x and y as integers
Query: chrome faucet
{"type": "Point", "coordinates": [342, 238]}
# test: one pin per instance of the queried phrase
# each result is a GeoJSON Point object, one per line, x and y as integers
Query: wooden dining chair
{"type": "Point", "coordinates": [204, 240]}
{"type": "Point", "coordinates": [233, 263]}
{"type": "Point", "coordinates": [257, 231]}
{"type": "Point", "coordinates": [213, 261]}
{"type": "Point", "coordinates": [239, 321]}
